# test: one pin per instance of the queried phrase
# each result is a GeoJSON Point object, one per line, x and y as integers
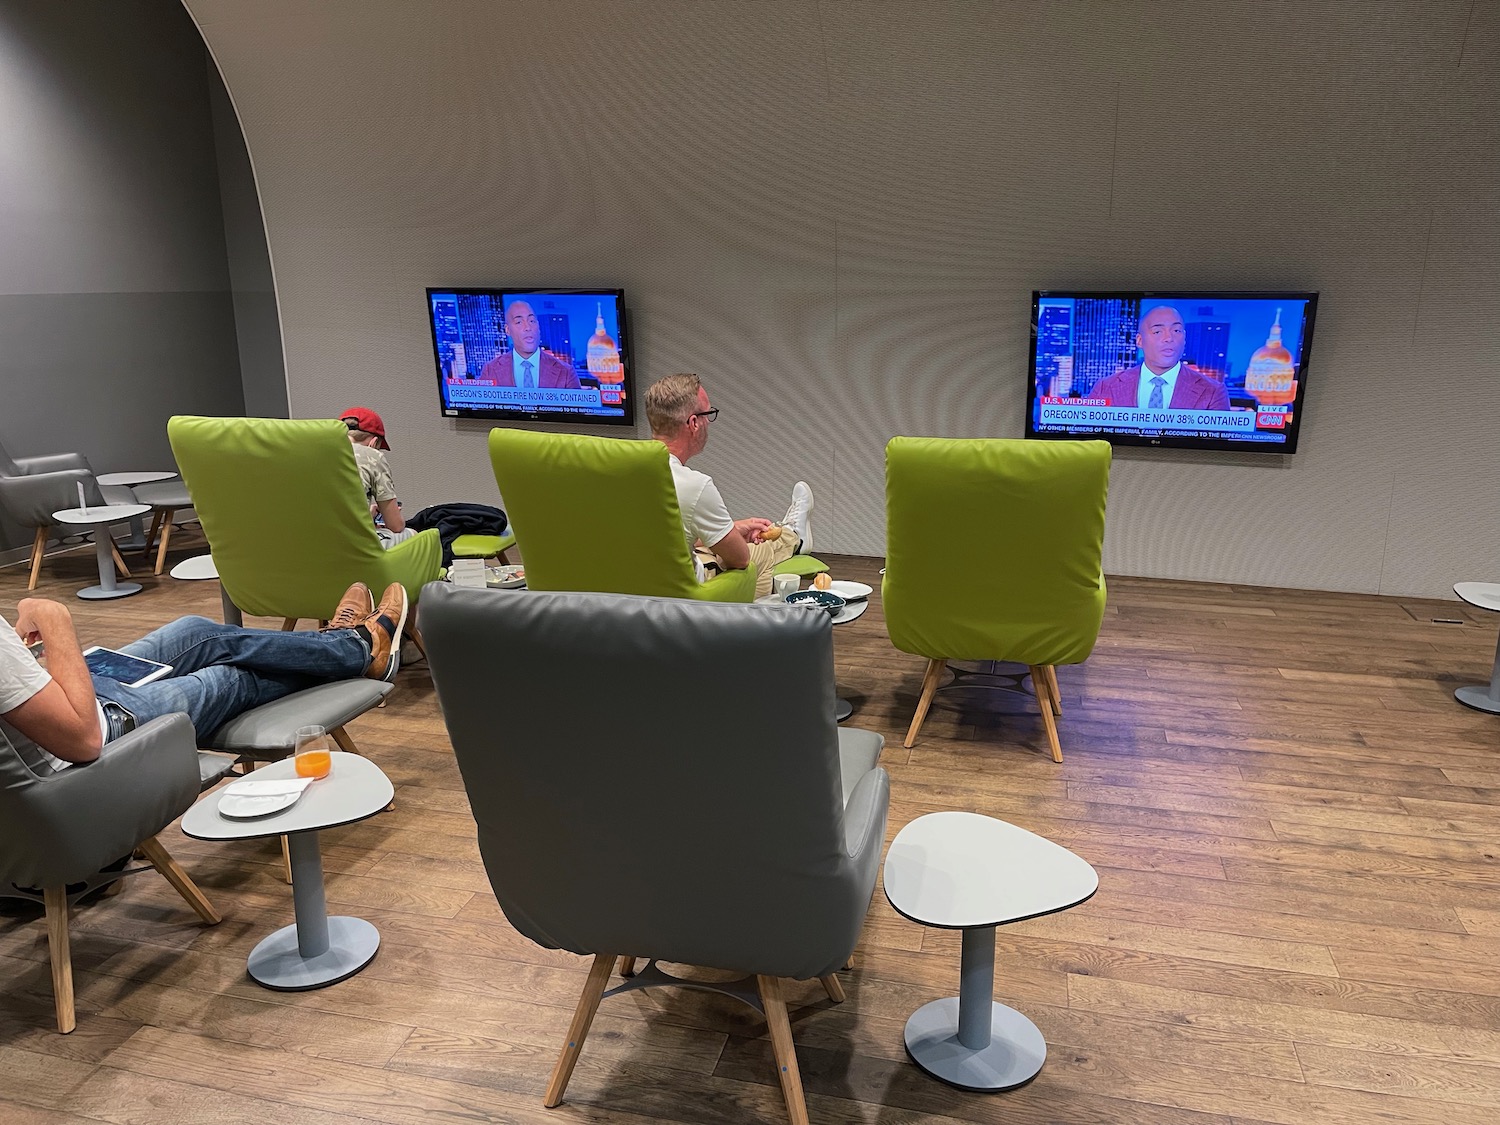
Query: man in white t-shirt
{"type": "Point", "coordinates": [63, 714]}
{"type": "Point", "coordinates": [679, 412]}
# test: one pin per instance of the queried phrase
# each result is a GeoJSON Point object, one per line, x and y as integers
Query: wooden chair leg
{"type": "Point", "coordinates": [834, 987]}
{"type": "Point", "coordinates": [1044, 702]}
{"type": "Point", "coordinates": [627, 966]}
{"type": "Point", "coordinates": [151, 535]}
{"type": "Point", "coordinates": [583, 1017]}
{"type": "Point", "coordinates": [849, 964]}
{"type": "Point", "coordinates": [774, 1002]}
{"type": "Point", "coordinates": [288, 624]}
{"type": "Point", "coordinates": [415, 636]}
{"type": "Point", "coordinates": [115, 551]}
{"type": "Point", "coordinates": [38, 547]}
{"type": "Point", "coordinates": [286, 861]}
{"type": "Point", "coordinates": [343, 741]}
{"type": "Point", "coordinates": [160, 859]}
{"type": "Point", "coordinates": [166, 537]}
{"type": "Point", "coordinates": [56, 901]}
{"type": "Point", "coordinates": [1056, 692]}
{"type": "Point", "coordinates": [929, 689]}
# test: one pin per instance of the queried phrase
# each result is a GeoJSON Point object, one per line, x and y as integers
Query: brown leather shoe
{"type": "Point", "coordinates": [384, 626]}
{"type": "Point", "coordinates": [356, 604]}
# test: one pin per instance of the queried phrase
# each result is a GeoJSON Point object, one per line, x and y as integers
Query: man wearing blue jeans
{"type": "Point", "coordinates": [65, 715]}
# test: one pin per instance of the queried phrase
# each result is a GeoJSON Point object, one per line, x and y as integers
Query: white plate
{"type": "Point", "coordinates": [504, 577]}
{"type": "Point", "coordinates": [851, 591]}
{"type": "Point", "coordinates": [241, 807]}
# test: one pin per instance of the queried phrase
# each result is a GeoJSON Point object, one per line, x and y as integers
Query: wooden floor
{"type": "Point", "coordinates": [1296, 829]}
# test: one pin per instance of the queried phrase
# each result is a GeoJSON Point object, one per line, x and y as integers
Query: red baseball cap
{"type": "Point", "coordinates": [363, 418]}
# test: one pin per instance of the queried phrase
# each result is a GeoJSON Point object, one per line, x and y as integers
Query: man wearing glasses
{"type": "Point", "coordinates": [680, 415]}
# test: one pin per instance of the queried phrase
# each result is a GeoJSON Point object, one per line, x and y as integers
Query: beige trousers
{"type": "Point", "coordinates": [764, 555]}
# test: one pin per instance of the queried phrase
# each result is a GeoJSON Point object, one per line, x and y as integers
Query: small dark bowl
{"type": "Point", "coordinates": [821, 598]}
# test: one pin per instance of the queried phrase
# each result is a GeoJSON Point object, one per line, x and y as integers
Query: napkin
{"type": "Point", "coordinates": [268, 788]}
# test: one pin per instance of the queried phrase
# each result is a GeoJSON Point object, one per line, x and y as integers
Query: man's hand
{"type": "Point", "coordinates": [39, 618]}
{"type": "Point", "coordinates": [750, 529]}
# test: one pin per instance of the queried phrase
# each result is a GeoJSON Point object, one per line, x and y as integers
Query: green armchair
{"type": "Point", "coordinates": [283, 510]}
{"type": "Point", "coordinates": [600, 514]}
{"type": "Point", "coordinates": [994, 552]}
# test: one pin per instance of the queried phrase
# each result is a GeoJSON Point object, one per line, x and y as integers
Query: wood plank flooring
{"type": "Point", "coordinates": [1297, 831]}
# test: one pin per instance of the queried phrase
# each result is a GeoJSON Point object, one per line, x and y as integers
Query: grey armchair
{"type": "Point", "coordinates": [58, 830]}
{"type": "Point", "coordinates": [754, 852]}
{"type": "Point", "coordinates": [32, 488]}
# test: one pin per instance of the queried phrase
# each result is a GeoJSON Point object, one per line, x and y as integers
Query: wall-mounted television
{"type": "Point", "coordinates": [1221, 370]}
{"type": "Point", "coordinates": [533, 355]}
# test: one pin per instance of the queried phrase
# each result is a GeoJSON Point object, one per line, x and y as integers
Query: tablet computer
{"type": "Point", "coordinates": [132, 671]}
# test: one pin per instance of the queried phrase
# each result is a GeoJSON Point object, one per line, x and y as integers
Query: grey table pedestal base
{"type": "Point", "coordinates": [317, 950]}
{"type": "Point", "coordinates": [108, 587]}
{"type": "Point", "coordinates": [969, 1040]}
{"type": "Point", "coordinates": [842, 709]}
{"type": "Point", "coordinates": [1480, 697]}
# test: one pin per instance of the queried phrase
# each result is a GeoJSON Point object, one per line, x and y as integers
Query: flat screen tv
{"type": "Point", "coordinates": [533, 355]}
{"type": "Point", "coordinates": [1179, 370]}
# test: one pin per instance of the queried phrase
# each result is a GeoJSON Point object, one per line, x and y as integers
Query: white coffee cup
{"type": "Point", "coordinates": [784, 584]}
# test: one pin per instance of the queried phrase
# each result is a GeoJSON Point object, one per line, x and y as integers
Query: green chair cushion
{"type": "Point", "coordinates": [601, 514]}
{"type": "Point", "coordinates": [482, 546]}
{"type": "Point", "coordinates": [801, 565]}
{"type": "Point", "coordinates": [284, 513]}
{"type": "Point", "coordinates": [994, 548]}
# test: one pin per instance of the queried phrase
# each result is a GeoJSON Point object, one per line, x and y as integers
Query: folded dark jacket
{"type": "Point", "coordinates": [453, 520]}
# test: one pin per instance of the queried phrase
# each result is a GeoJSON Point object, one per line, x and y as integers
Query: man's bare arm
{"type": "Point", "coordinates": [390, 513]}
{"type": "Point", "coordinates": [62, 718]}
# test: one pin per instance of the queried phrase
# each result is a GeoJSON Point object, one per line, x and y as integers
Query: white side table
{"type": "Point", "coordinates": [316, 950]}
{"type": "Point", "coordinates": [195, 569]}
{"type": "Point", "coordinates": [1486, 595]}
{"type": "Point", "coordinates": [963, 871]}
{"type": "Point", "coordinates": [851, 611]}
{"type": "Point", "coordinates": [99, 518]}
{"type": "Point", "coordinates": [137, 540]}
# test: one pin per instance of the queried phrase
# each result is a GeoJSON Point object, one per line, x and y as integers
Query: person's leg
{"type": "Point", "coordinates": [766, 554]}
{"type": "Point", "coordinates": [210, 696]}
{"type": "Point", "coordinates": [191, 644]}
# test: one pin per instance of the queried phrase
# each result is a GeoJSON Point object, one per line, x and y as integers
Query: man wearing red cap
{"type": "Point", "coordinates": [367, 432]}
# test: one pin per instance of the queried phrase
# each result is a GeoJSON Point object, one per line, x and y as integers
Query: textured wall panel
{"type": "Point", "coordinates": [836, 212]}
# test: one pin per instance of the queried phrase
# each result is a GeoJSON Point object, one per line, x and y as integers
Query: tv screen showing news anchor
{"type": "Point", "coordinates": [1183, 370]}
{"type": "Point", "coordinates": [532, 355]}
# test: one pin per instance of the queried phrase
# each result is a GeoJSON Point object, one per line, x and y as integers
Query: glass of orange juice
{"type": "Point", "coordinates": [313, 756]}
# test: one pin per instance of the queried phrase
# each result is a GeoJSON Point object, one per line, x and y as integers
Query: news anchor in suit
{"type": "Point", "coordinates": [1163, 380]}
{"type": "Point", "coordinates": [526, 364]}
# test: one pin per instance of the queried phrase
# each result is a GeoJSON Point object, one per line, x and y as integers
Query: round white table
{"type": "Point", "coordinates": [842, 708]}
{"type": "Point", "coordinates": [316, 950]}
{"type": "Point", "coordinates": [1486, 595]}
{"type": "Point", "coordinates": [99, 518]}
{"type": "Point", "coordinates": [137, 540]}
{"type": "Point", "coordinates": [963, 871]}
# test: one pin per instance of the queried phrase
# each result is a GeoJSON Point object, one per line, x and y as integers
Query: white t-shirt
{"type": "Point", "coordinates": [21, 677]}
{"type": "Point", "coordinates": [704, 514]}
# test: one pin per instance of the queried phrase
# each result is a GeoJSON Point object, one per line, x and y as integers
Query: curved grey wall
{"type": "Point", "coordinates": [836, 212]}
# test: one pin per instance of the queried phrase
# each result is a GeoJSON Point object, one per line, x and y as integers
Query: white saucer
{"type": "Point", "coordinates": [851, 591]}
{"type": "Point", "coordinates": [242, 807]}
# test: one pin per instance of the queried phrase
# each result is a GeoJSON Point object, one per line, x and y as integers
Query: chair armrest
{"type": "Point", "coordinates": [729, 586]}
{"type": "Point", "coordinates": [77, 820]}
{"type": "Point", "coordinates": [415, 562]}
{"type": "Point", "coordinates": [864, 817]}
{"type": "Point", "coordinates": [32, 499]}
{"type": "Point", "coordinates": [54, 462]}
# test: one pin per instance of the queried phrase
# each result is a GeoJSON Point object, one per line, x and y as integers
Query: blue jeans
{"type": "Point", "coordinates": [221, 671]}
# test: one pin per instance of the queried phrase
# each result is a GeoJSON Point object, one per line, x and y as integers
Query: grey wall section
{"type": "Point", "coordinates": [115, 310]}
{"type": "Point", "coordinates": [257, 328]}
{"type": "Point", "coordinates": [836, 212]}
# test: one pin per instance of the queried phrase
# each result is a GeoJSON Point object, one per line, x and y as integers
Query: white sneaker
{"type": "Point", "coordinates": [799, 516]}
